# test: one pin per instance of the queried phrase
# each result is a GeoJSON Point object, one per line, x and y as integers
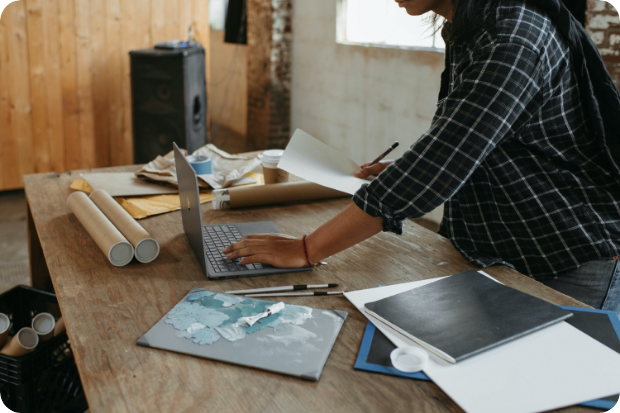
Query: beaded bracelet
{"type": "Point", "coordinates": [306, 253]}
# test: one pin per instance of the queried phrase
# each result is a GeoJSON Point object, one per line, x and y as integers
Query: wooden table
{"type": "Point", "coordinates": [107, 309]}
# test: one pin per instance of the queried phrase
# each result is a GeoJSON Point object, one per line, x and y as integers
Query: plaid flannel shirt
{"type": "Point", "coordinates": [511, 155]}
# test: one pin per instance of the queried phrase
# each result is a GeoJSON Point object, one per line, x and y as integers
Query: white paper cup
{"type": "Point", "coordinates": [271, 172]}
{"type": "Point", "coordinates": [5, 324]}
{"type": "Point", "coordinates": [25, 341]}
{"type": "Point", "coordinates": [409, 359]}
{"type": "Point", "coordinates": [44, 324]}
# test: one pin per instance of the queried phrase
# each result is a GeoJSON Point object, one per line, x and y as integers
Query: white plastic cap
{"type": "Point", "coordinates": [121, 254]}
{"type": "Point", "coordinates": [43, 323]}
{"type": "Point", "coordinates": [409, 359]}
{"type": "Point", "coordinates": [4, 323]}
{"type": "Point", "coordinates": [273, 156]}
{"type": "Point", "coordinates": [147, 250]}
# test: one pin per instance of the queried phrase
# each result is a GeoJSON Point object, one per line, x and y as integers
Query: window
{"type": "Point", "coordinates": [217, 14]}
{"type": "Point", "coordinates": [382, 22]}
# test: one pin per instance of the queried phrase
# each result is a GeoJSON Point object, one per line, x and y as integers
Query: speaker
{"type": "Point", "coordinates": [169, 101]}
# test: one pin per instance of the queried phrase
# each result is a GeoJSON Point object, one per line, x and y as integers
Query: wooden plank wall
{"type": "Point", "coordinates": [65, 99]}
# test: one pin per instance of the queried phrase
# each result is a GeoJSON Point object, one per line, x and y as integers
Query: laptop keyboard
{"type": "Point", "coordinates": [218, 237]}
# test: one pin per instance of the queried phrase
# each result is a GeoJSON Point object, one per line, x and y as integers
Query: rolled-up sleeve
{"type": "Point", "coordinates": [491, 94]}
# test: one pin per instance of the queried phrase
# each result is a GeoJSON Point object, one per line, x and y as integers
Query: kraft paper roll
{"type": "Point", "coordinates": [272, 194]}
{"type": "Point", "coordinates": [146, 248]}
{"type": "Point", "coordinates": [44, 325]}
{"type": "Point", "coordinates": [113, 244]}
{"type": "Point", "coordinates": [59, 328]}
{"type": "Point", "coordinates": [5, 324]}
{"type": "Point", "coordinates": [22, 343]}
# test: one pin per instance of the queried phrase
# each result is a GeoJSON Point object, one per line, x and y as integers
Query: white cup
{"type": "Point", "coordinates": [270, 161]}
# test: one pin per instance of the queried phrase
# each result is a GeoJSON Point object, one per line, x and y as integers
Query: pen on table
{"type": "Point", "coordinates": [384, 154]}
{"type": "Point", "coordinates": [307, 293]}
{"type": "Point", "coordinates": [283, 288]}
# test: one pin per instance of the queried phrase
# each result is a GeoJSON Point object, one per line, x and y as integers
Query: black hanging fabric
{"type": "Point", "coordinates": [596, 86]}
{"type": "Point", "coordinates": [236, 22]}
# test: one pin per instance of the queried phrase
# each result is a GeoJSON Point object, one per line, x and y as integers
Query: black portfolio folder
{"type": "Point", "coordinates": [465, 314]}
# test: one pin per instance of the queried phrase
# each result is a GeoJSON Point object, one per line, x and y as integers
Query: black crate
{"type": "Point", "coordinates": [47, 379]}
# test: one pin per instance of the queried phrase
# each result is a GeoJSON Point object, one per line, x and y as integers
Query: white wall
{"type": "Point", "coordinates": [358, 99]}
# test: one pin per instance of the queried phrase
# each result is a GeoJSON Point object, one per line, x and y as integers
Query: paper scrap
{"type": "Point", "coordinates": [227, 168]}
{"type": "Point", "coordinates": [276, 308]}
{"type": "Point", "coordinates": [311, 159]}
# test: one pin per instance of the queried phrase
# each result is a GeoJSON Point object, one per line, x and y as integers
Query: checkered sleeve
{"type": "Point", "coordinates": [497, 87]}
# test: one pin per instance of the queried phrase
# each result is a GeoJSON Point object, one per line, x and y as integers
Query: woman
{"type": "Point", "coordinates": [518, 151]}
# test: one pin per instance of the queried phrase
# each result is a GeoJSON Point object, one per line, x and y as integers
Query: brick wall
{"type": "Point", "coordinates": [603, 25]}
{"type": "Point", "coordinates": [281, 44]}
{"type": "Point", "coordinates": [269, 73]}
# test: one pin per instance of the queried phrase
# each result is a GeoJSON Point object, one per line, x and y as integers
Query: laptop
{"type": "Point", "coordinates": [208, 241]}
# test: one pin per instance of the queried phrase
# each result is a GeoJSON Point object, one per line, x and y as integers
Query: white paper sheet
{"type": "Point", "coordinates": [316, 162]}
{"type": "Point", "coordinates": [552, 368]}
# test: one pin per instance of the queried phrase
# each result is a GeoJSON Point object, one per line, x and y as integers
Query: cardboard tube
{"type": "Point", "coordinates": [44, 324]}
{"type": "Point", "coordinates": [272, 194]}
{"type": "Point", "coordinates": [116, 247]}
{"type": "Point", "coordinates": [146, 248]}
{"type": "Point", "coordinates": [59, 328]}
{"type": "Point", "coordinates": [23, 342]}
{"type": "Point", "coordinates": [5, 324]}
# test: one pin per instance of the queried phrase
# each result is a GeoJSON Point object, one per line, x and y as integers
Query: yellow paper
{"type": "Point", "coordinates": [146, 206]}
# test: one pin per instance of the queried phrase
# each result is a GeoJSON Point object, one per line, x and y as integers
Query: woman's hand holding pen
{"type": "Point", "coordinates": [369, 170]}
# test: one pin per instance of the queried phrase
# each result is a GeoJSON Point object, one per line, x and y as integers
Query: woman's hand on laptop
{"type": "Point", "coordinates": [284, 251]}
{"type": "Point", "coordinates": [279, 250]}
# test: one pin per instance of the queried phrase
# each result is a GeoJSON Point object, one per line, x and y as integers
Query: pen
{"type": "Point", "coordinates": [308, 293]}
{"type": "Point", "coordinates": [384, 154]}
{"type": "Point", "coordinates": [283, 288]}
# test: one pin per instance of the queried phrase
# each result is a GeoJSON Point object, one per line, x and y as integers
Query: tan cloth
{"type": "Point", "coordinates": [142, 207]}
{"type": "Point", "coordinates": [227, 168]}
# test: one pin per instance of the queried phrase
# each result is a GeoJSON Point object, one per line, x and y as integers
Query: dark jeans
{"type": "Point", "coordinates": [596, 283]}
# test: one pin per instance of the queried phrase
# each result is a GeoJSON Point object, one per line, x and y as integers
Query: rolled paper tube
{"type": "Point", "coordinates": [5, 324]}
{"type": "Point", "coordinates": [146, 248]}
{"type": "Point", "coordinates": [272, 194]}
{"type": "Point", "coordinates": [59, 328]}
{"type": "Point", "coordinates": [116, 247]}
{"type": "Point", "coordinates": [22, 343]}
{"type": "Point", "coordinates": [44, 324]}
